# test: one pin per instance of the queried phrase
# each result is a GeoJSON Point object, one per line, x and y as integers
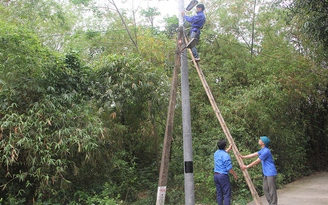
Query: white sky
{"type": "Point", "coordinates": [165, 7]}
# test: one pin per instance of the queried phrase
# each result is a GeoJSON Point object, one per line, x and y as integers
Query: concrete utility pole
{"type": "Point", "coordinates": [180, 60]}
{"type": "Point", "coordinates": [187, 137]}
{"type": "Point", "coordinates": [186, 121]}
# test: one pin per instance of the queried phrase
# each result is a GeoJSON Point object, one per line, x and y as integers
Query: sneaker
{"type": "Point", "coordinates": [197, 59]}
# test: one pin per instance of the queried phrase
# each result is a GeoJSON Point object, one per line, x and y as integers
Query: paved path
{"type": "Point", "coordinates": [311, 190]}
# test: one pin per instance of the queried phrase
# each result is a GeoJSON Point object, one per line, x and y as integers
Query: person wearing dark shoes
{"type": "Point", "coordinates": [197, 22]}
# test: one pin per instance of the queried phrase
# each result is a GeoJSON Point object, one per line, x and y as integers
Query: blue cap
{"type": "Point", "coordinates": [265, 140]}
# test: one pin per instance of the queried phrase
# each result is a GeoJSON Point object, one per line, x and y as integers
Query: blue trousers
{"type": "Point", "coordinates": [197, 36]}
{"type": "Point", "coordinates": [223, 189]}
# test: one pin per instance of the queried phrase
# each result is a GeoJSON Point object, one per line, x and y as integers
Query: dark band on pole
{"type": "Point", "coordinates": [189, 167]}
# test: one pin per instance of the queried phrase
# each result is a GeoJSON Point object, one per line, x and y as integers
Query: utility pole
{"type": "Point", "coordinates": [186, 121]}
{"type": "Point", "coordinates": [180, 60]}
{"type": "Point", "coordinates": [187, 136]}
{"type": "Point", "coordinates": [163, 173]}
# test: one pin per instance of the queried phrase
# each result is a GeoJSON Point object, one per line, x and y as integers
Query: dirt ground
{"type": "Point", "coordinates": [311, 190]}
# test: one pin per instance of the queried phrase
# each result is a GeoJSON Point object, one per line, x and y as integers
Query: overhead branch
{"type": "Point", "coordinates": [124, 23]}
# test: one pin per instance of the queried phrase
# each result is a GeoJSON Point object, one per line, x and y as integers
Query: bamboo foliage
{"type": "Point", "coordinates": [84, 123]}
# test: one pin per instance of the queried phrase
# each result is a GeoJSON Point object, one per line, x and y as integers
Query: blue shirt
{"type": "Point", "coordinates": [268, 166]}
{"type": "Point", "coordinates": [222, 162]}
{"type": "Point", "coordinates": [196, 21]}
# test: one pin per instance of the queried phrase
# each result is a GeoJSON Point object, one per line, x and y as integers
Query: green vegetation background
{"type": "Point", "coordinates": [83, 100]}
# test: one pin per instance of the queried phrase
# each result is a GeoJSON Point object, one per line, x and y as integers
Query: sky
{"type": "Point", "coordinates": [165, 7]}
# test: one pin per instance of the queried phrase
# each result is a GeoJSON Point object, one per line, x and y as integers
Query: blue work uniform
{"type": "Point", "coordinates": [270, 172]}
{"type": "Point", "coordinates": [268, 166]}
{"type": "Point", "coordinates": [197, 23]}
{"type": "Point", "coordinates": [222, 165]}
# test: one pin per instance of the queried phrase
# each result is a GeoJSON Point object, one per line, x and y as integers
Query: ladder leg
{"type": "Point", "coordinates": [226, 130]}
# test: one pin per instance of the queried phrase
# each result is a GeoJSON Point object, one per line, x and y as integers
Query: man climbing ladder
{"type": "Point", "coordinates": [197, 23]}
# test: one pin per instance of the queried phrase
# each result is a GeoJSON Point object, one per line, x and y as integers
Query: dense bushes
{"type": "Point", "coordinates": [67, 129]}
{"type": "Point", "coordinates": [76, 133]}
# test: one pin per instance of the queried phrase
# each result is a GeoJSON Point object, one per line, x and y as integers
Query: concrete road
{"type": "Point", "coordinates": [311, 190]}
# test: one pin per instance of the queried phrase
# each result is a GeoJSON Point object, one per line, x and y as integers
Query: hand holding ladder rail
{"type": "Point", "coordinates": [223, 124]}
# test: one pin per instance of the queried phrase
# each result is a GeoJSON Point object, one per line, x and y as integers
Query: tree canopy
{"type": "Point", "coordinates": [83, 98]}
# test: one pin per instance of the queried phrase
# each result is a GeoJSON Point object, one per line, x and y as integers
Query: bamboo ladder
{"type": "Point", "coordinates": [225, 128]}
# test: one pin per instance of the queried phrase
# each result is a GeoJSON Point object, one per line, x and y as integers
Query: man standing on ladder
{"type": "Point", "coordinates": [197, 21]}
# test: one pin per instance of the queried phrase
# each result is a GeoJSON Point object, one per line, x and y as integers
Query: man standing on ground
{"type": "Point", "coordinates": [268, 168]}
{"type": "Point", "coordinates": [197, 23]}
{"type": "Point", "coordinates": [222, 167]}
